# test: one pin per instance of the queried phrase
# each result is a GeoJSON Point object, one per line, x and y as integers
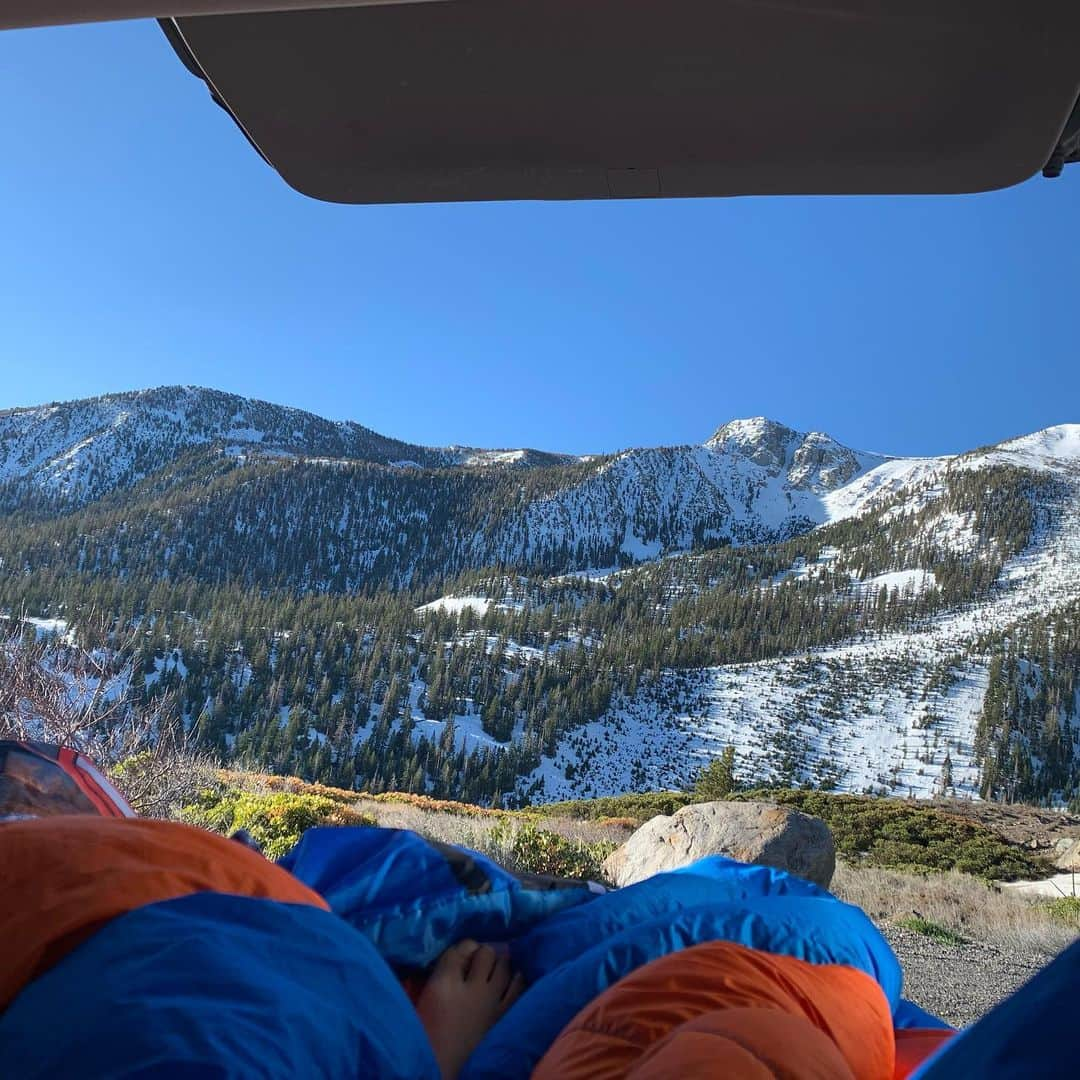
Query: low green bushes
{"type": "Point", "coordinates": [904, 834]}
{"type": "Point", "coordinates": [635, 806]}
{"type": "Point", "coordinates": [275, 820]}
{"type": "Point", "coordinates": [897, 834]}
{"type": "Point", "coordinates": [891, 833]}
{"type": "Point", "coordinates": [931, 930]}
{"type": "Point", "coordinates": [1065, 909]}
{"type": "Point", "coordinates": [531, 850]}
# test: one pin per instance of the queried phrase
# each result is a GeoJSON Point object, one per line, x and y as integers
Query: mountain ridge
{"type": "Point", "coordinates": [453, 622]}
{"type": "Point", "coordinates": [390, 513]}
{"type": "Point", "coordinates": [183, 417]}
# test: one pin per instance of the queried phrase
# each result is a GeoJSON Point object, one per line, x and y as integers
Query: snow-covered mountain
{"type": "Point", "coordinates": [81, 450]}
{"type": "Point", "coordinates": [252, 484]}
{"type": "Point", "coordinates": [813, 462]}
{"type": "Point", "coordinates": [897, 712]}
{"type": "Point", "coordinates": [753, 481]}
{"type": "Point", "coordinates": [903, 625]}
{"type": "Point", "coordinates": [85, 449]}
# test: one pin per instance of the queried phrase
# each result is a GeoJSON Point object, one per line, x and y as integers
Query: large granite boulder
{"type": "Point", "coordinates": [1067, 853]}
{"type": "Point", "coordinates": [753, 832]}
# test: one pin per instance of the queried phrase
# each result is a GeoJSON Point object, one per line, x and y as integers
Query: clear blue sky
{"type": "Point", "coordinates": [145, 243]}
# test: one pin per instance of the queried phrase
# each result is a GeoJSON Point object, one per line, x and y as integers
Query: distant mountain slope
{"type": "Point", "coordinates": [752, 482]}
{"type": "Point", "coordinates": [82, 450]}
{"type": "Point", "coordinates": [608, 622]}
{"type": "Point", "coordinates": [271, 495]}
{"type": "Point", "coordinates": [906, 710]}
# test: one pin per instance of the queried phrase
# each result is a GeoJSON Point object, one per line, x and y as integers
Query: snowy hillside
{"type": "Point", "coordinates": [386, 512]}
{"type": "Point", "coordinates": [895, 713]}
{"type": "Point", "coordinates": [323, 600]}
{"type": "Point", "coordinates": [82, 450]}
{"type": "Point", "coordinates": [754, 481]}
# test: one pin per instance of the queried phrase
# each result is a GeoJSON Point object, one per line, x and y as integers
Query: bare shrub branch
{"type": "Point", "coordinates": [54, 692]}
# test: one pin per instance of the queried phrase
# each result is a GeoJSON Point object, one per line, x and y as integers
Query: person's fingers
{"type": "Point", "coordinates": [458, 957]}
{"type": "Point", "coordinates": [513, 990]}
{"type": "Point", "coordinates": [482, 964]}
{"type": "Point", "coordinates": [501, 974]}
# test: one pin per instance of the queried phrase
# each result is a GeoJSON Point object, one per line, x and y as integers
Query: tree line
{"type": "Point", "coordinates": [362, 689]}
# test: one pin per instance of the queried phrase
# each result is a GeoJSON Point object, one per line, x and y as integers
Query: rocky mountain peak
{"type": "Point", "coordinates": [809, 461]}
{"type": "Point", "coordinates": [765, 442]}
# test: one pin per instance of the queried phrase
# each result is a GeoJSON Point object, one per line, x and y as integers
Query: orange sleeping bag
{"type": "Point", "coordinates": [64, 877]}
{"type": "Point", "coordinates": [721, 1009]}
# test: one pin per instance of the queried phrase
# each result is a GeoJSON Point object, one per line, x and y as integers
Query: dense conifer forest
{"type": "Point", "coordinates": [287, 650]}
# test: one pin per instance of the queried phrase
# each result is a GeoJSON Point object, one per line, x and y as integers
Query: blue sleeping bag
{"type": "Point", "coordinates": [213, 985]}
{"type": "Point", "coordinates": [569, 942]}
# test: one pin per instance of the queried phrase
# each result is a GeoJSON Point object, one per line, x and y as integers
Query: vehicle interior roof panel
{"type": "Point", "coordinates": [514, 99]}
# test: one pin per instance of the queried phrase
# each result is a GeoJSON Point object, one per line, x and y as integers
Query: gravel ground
{"type": "Point", "coordinates": [959, 983]}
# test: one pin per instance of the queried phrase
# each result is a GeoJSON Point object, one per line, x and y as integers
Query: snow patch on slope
{"type": "Point", "coordinates": [455, 605]}
{"type": "Point", "coordinates": [1040, 450]}
{"type": "Point", "coordinates": [914, 582]}
{"type": "Point", "coordinates": [879, 714]}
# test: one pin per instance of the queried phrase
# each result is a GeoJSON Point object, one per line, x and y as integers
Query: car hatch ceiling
{"type": "Point", "coordinates": [563, 99]}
